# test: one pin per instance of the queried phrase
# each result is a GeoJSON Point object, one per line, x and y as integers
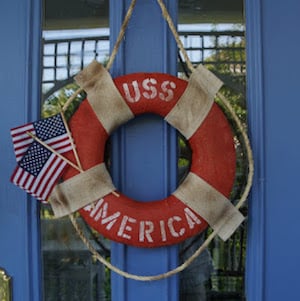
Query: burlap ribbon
{"type": "Point", "coordinates": [103, 96]}
{"type": "Point", "coordinates": [213, 206]}
{"type": "Point", "coordinates": [195, 102]}
{"type": "Point", "coordinates": [81, 190]}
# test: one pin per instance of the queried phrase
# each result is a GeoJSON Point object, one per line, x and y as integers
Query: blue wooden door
{"type": "Point", "coordinates": [273, 45]}
{"type": "Point", "coordinates": [20, 32]}
{"type": "Point", "coordinates": [273, 66]}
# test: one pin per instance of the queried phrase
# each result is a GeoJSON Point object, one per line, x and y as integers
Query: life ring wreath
{"type": "Point", "coordinates": [200, 200]}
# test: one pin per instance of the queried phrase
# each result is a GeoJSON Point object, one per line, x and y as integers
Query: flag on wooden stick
{"type": "Point", "coordinates": [39, 168]}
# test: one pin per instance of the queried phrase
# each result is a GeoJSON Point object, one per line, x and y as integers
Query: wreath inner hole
{"type": "Point", "coordinates": [125, 171]}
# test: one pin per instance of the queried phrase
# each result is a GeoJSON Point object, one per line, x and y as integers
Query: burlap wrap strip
{"type": "Point", "coordinates": [81, 190]}
{"type": "Point", "coordinates": [195, 103]}
{"type": "Point", "coordinates": [103, 96]}
{"type": "Point", "coordinates": [213, 206]}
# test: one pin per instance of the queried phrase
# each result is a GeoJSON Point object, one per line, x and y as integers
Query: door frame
{"type": "Point", "coordinates": [20, 85]}
{"type": "Point", "coordinates": [255, 258]}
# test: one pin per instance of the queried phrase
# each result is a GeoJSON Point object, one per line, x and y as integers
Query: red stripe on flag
{"type": "Point", "coordinates": [21, 141]}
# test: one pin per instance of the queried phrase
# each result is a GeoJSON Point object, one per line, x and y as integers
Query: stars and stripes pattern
{"type": "Point", "coordinates": [21, 140]}
{"type": "Point", "coordinates": [38, 168]}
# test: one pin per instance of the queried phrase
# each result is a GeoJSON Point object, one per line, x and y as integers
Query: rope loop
{"type": "Point", "coordinates": [239, 125]}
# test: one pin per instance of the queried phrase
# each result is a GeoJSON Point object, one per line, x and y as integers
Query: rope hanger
{"type": "Point", "coordinates": [226, 103]}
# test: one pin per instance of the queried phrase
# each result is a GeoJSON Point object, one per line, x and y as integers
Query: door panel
{"type": "Point", "coordinates": [20, 85]}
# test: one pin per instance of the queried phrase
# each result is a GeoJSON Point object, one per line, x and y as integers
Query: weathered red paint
{"type": "Point", "coordinates": [159, 222]}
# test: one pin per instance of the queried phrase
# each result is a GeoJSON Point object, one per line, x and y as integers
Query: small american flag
{"type": "Point", "coordinates": [38, 168]}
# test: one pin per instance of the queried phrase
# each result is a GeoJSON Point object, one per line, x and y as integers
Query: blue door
{"type": "Point", "coordinates": [20, 30]}
{"type": "Point", "coordinates": [273, 79]}
{"type": "Point", "coordinates": [273, 71]}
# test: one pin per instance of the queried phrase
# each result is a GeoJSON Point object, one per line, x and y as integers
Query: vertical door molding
{"type": "Point", "coordinates": [255, 267]}
{"type": "Point", "coordinates": [148, 46]}
{"type": "Point", "coordinates": [20, 29]}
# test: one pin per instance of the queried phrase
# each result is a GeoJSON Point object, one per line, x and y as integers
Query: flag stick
{"type": "Point", "coordinates": [62, 157]}
{"type": "Point", "coordinates": [71, 139]}
{"type": "Point", "coordinates": [53, 151]}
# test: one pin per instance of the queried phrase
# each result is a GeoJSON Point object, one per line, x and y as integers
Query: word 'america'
{"type": "Point", "coordinates": [132, 227]}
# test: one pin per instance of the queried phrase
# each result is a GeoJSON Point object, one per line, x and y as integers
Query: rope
{"type": "Point", "coordinates": [239, 125]}
{"type": "Point", "coordinates": [248, 150]}
{"type": "Point", "coordinates": [115, 269]}
{"type": "Point", "coordinates": [113, 53]}
{"type": "Point", "coordinates": [173, 29]}
{"type": "Point", "coordinates": [121, 34]}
